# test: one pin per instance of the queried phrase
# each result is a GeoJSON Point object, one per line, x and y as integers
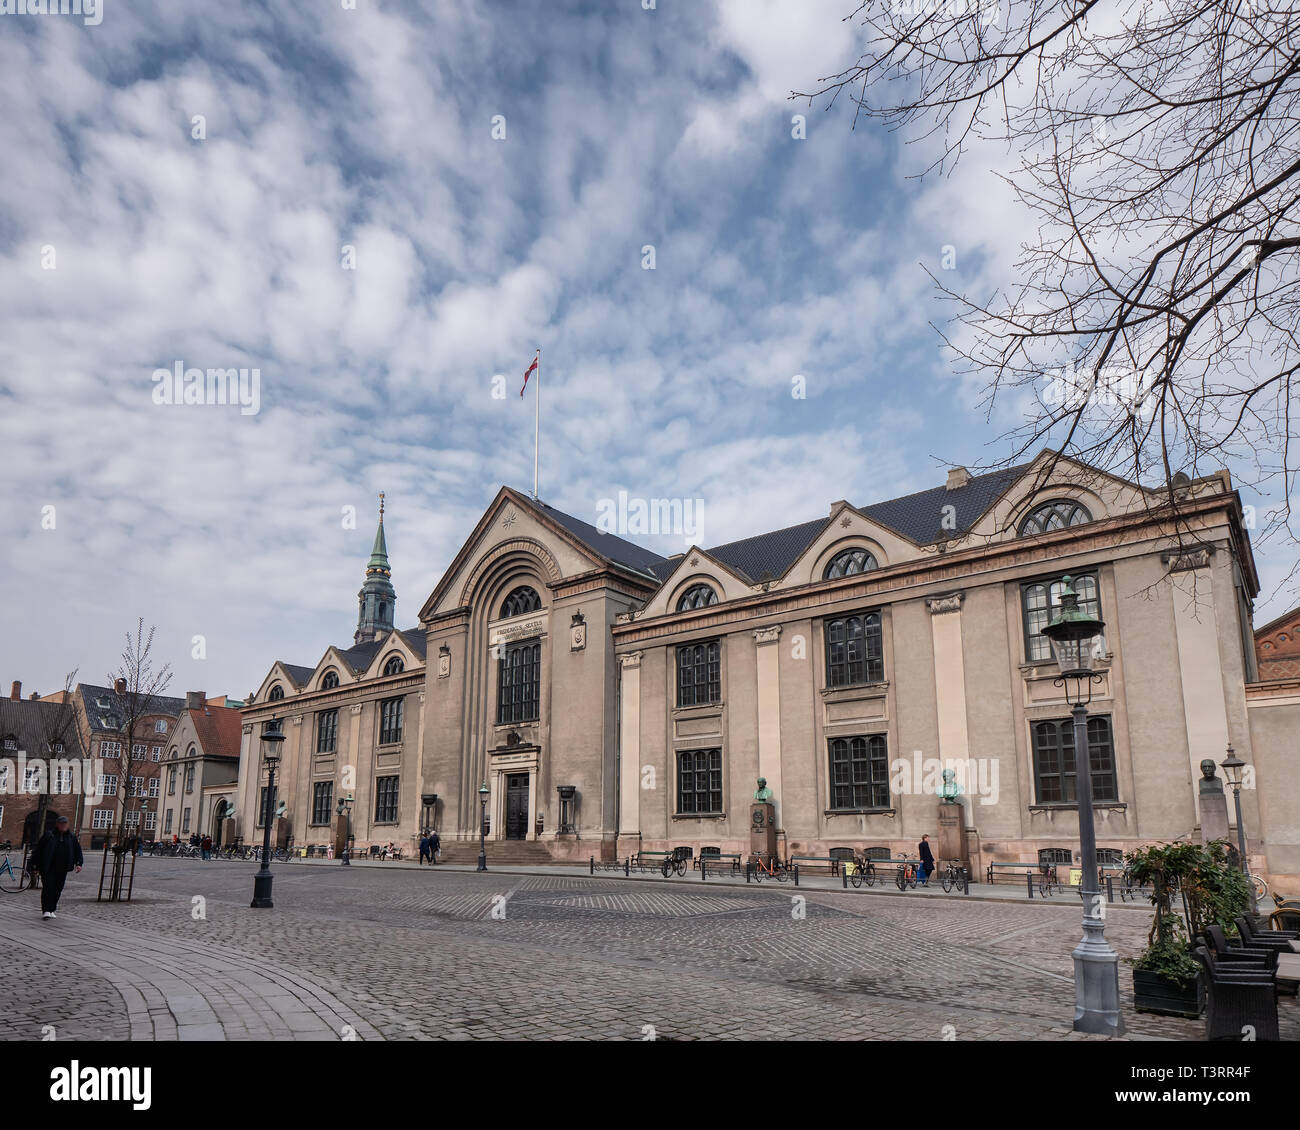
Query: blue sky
{"type": "Point", "coordinates": [373, 128]}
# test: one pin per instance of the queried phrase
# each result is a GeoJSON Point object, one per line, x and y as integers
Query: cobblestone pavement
{"type": "Point", "coordinates": [369, 953]}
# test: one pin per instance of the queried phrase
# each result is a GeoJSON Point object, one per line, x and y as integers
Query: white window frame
{"type": "Point", "coordinates": [101, 818]}
{"type": "Point", "coordinates": [110, 749]}
{"type": "Point", "coordinates": [137, 786]}
{"type": "Point", "coordinates": [153, 786]}
{"type": "Point", "coordinates": [150, 821]}
{"type": "Point", "coordinates": [108, 784]}
{"type": "Point", "coordinates": [156, 753]}
{"type": "Point", "coordinates": [30, 773]}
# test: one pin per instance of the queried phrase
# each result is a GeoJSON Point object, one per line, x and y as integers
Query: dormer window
{"type": "Point", "coordinates": [277, 693]}
{"type": "Point", "coordinates": [1059, 514]}
{"type": "Point", "coordinates": [520, 602]}
{"type": "Point", "coordinates": [849, 562]}
{"type": "Point", "coordinates": [394, 666]}
{"type": "Point", "coordinates": [330, 680]}
{"type": "Point", "coordinates": [697, 596]}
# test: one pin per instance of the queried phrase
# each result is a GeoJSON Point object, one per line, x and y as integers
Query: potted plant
{"type": "Point", "coordinates": [1166, 977]}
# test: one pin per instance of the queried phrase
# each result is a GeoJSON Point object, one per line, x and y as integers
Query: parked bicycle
{"type": "Point", "coordinates": [772, 869]}
{"type": "Point", "coordinates": [1047, 880]}
{"type": "Point", "coordinates": [954, 875]}
{"type": "Point", "coordinates": [13, 880]}
{"type": "Point", "coordinates": [861, 871]}
{"type": "Point", "coordinates": [906, 877]}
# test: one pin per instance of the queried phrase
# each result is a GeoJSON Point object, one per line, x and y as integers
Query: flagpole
{"type": "Point", "coordinates": [537, 421]}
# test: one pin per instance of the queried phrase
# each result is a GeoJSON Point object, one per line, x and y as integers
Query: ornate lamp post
{"type": "Point", "coordinates": [483, 793]}
{"type": "Point", "coordinates": [1073, 634]}
{"type": "Point", "coordinates": [1233, 766]}
{"type": "Point", "coordinates": [272, 740]}
{"type": "Point", "coordinates": [345, 810]}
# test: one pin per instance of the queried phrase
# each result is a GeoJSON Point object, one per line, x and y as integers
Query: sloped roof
{"type": "Point", "coordinates": [104, 707]}
{"type": "Point", "coordinates": [300, 675]}
{"type": "Point", "coordinates": [770, 553]}
{"type": "Point", "coordinates": [918, 517]}
{"type": "Point", "coordinates": [415, 639]}
{"type": "Point", "coordinates": [218, 728]}
{"type": "Point", "coordinates": [33, 721]}
{"type": "Point", "coordinates": [609, 546]}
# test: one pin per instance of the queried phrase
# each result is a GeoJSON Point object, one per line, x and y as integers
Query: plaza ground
{"type": "Point", "coordinates": [383, 951]}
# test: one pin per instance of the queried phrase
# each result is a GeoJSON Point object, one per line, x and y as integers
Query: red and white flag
{"type": "Point", "coordinates": [531, 370]}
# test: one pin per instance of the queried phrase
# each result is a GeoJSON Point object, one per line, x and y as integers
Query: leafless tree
{"type": "Point", "coordinates": [59, 740]}
{"type": "Point", "coordinates": [140, 698]}
{"type": "Point", "coordinates": [1156, 150]}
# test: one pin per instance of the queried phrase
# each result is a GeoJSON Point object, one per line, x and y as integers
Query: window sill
{"type": "Point", "coordinates": [700, 710]}
{"type": "Point", "coordinates": [856, 690]}
{"type": "Point", "coordinates": [1047, 668]}
{"type": "Point", "coordinates": [1066, 806]}
{"type": "Point", "coordinates": [890, 812]}
{"type": "Point", "coordinates": [384, 747]}
{"type": "Point", "coordinates": [699, 816]}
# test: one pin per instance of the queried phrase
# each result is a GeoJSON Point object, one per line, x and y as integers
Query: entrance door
{"type": "Point", "coordinates": [517, 806]}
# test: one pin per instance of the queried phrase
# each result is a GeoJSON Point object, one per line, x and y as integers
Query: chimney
{"type": "Point", "coordinates": [119, 686]}
{"type": "Point", "coordinates": [16, 691]}
{"type": "Point", "coordinates": [195, 700]}
{"type": "Point", "coordinates": [35, 696]}
{"type": "Point", "coordinates": [958, 477]}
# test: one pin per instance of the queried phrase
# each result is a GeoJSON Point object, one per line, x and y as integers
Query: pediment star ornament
{"type": "Point", "coordinates": [694, 561]}
{"type": "Point", "coordinates": [509, 519]}
{"type": "Point", "coordinates": [846, 522]}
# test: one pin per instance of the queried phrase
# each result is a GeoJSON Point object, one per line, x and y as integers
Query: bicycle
{"type": "Point", "coordinates": [772, 869]}
{"type": "Point", "coordinates": [861, 871]}
{"type": "Point", "coordinates": [1261, 886]}
{"type": "Point", "coordinates": [1048, 880]}
{"type": "Point", "coordinates": [17, 881]}
{"type": "Point", "coordinates": [954, 875]}
{"type": "Point", "coordinates": [906, 877]}
{"type": "Point", "coordinates": [672, 865]}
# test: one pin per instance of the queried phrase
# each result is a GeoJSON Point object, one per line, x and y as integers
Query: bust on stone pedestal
{"type": "Point", "coordinates": [762, 822]}
{"type": "Point", "coordinates": [1214, 804]}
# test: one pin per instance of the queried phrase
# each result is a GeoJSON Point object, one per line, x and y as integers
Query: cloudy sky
{"type": "Point", "coordinates": [181, 182]}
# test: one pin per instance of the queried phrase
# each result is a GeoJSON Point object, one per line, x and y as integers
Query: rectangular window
{"type": "Point", "coordinates": [101, 818]}
{"type": "Point", "coordinates": [171, 781]}
{"type": "Point", "coordinates": [137, 752]}
{"type": "Point", "coordinates": [33, 778]}
{"type": "Point", "coordinates": [137, 786]}
{"type": "Point", "coordinates": [167, 825]}
{"type": "Point", "coordinates": [153, 786]}
{"type": "Point", "coordinates": [1054, 762]}
{"type": "Point", "coordinates": [386, 800]}
{"type": "Point", "coordinates": [160, 727]}
{"type": "Point", "coordinates": [108, 784]}
{"type": "Point", "coordinates": [327, 722]}
{"type": "Point", "coordinates": [63, 778]}
{"type": "Point", "coordinates": [189, 778]}
{"type": "Point", "coordinates": [266, 806]}
{"type": "Point", "coordinates": [390, 721]}
{"type": "Point", "coordinates": [150, 821]}
{"type": "Point", "coordinates": [132, 818]}
{"type": "Point", "coordinates": [519, 683]}
{"type": "Point", "coordinates": [1041, 602]}
{"type": "Point", "coordinates": [854, 650]}
{"type": "Point", "coordinates": [156, 753]}
{"type": "Point", "coordinates": [860, 772]}
{"type": "Point", "coordinates": [322, 802]}
{"type": "Point", "coordinates": [699, 782]}
{"type": "Point", "coordinates": [185, 820]}
{"type": "Point", "coordinates": [699, 673]}
{"type": "Point", "coordinates": [110, 749]}
{"type": "Point", "coordinates": [4, 778]}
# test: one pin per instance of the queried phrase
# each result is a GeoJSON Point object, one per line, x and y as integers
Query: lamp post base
{"type": "Point", "coordinates": [1096, 987]}
{"type": "Point", "coordinates": [482, 861]}
{"type": "Point", "coordinates": [262, 890]}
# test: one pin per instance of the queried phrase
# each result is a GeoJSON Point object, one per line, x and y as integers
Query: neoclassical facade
{"type": "Point", "coordinates": [612, 700]}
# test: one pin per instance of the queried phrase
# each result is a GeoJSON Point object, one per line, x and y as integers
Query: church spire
{"type": "Point", "coordinates": [377, 596]}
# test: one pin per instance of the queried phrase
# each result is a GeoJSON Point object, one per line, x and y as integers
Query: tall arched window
{"type": "Point", "coordinates": [522, 600]}
{"type": "Point", "coordinates": [394, 666]}
{"type": "Point", "coordinates": [854, 650]}
{"type": "Point", "coordinates": [1058, 514]}
{"type": "Point", "coordinates": [277, 693]}
{"type": "Point", "coordinates": [330, 681]}
{"type": "Point", "coordinates": [849, 562]}
{"type": "Point", "coordinates": [697, 596]}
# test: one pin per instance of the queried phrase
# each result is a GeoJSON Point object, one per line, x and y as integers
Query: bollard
{"type": "Point", "coordinates": [704, 869]}
{"type": "Point", "coordinates": [796, 874]}
{"type": "Point", "coordinates": [1029, 882]}
{"type": "Point", "coordinates": [1110, 889]}
{"type": "Point", "coordinates": [748, 868]}
{"type": "Point", "coordinates": [845, 877]}
{"type": "Point", "coordinates": [627, 866]}
{"type": "Point", "coordinates": [593, 865]}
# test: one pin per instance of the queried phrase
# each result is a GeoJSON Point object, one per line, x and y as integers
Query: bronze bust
{"type": "Point", "coordinates": [763, 793]}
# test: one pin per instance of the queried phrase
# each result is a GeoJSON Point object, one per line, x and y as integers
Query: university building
{"type": "Point", "coordinates": [611, 699]}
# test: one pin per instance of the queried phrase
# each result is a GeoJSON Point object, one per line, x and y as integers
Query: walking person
{"type": "Point", "coordinates": [927, 861]}
{"type": "Point", "coordinates": [57, 853]}
{"type": "Point", "coordinates": [434, 844]}
{"type": "Point", "coordinates": [205, 845]}
{"type": "Point", "coordinates": [424, 847]}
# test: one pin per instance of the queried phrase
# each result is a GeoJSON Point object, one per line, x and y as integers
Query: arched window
{"type": "Point", "coordinates": [697, 596]}
{"type": "Point", "coordinates": [277, 693]}
{"type": "Point", "coordinates": [1058, 514]}
{"type": "Point", "coordinates": [173, 755]}
{"type": "Point", "coordinates": [855, 651]}
{"type": "Point", "coordinates": [522, 600]}
{"type": "Point", "coordinates": [190, 752]}
{"type": "Point", "coordinates": [330, 681]}
{"type": "Point", "coordinates": [849, 562]}
{"type": "Point", "coordinates": [394, 666]}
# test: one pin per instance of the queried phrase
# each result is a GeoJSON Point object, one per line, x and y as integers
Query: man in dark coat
{"type": "Point", "coordinates": [57, 853]}
{"type": "Point", "coordinates": [435, 842]}
{"type": "Point", "coordinates": [927, 860]}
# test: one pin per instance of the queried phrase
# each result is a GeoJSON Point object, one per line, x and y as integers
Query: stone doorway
{"type": "Point", "coordinates": [516, 806]}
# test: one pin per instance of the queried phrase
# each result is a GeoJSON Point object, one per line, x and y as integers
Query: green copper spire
{"type": "Point", "coordinates": [377, 596]}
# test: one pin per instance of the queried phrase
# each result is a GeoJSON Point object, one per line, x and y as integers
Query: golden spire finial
{"type": "Point", "coordinates": [381, 505]}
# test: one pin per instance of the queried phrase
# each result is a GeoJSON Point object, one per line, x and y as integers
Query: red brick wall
{"type": "Point", "coordinates": [1277, 648]}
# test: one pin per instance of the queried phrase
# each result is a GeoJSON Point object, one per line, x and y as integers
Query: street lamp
{"type": "Point", "coordinates": [1073, 635]}
{"type": "Point", "coordinates": [345, 810]}
{"type": "Point", "coordinates": [272, 740]}
{"type": "Point", "coordinates": [482, 826]}
{"type": "Point", "coordinates": [1232, 766]}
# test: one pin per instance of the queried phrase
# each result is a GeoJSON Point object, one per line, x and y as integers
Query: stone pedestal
{"type": "Point", "coordinates": [280, 832]}
{"type": "Point", "coordinates": [228, 831]}
{"type": "Point", "coordinates": [762, 830]}
{"type": "Point", "coordinates": [339, 834]}
{"type": "Point", "coordinates": [1214, 808]}
{"type": "Point", "coordinates": [952, 835]}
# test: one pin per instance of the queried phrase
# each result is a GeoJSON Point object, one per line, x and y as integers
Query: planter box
{"type": "Point", "coordinates": [1154, 993]}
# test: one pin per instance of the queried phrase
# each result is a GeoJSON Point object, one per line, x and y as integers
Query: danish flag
{"type": "Point", "coordinates": [531, 370]}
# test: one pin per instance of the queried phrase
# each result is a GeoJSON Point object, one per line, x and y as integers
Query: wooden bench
{"type": "Point", "coordinates": [665, 862]}
{"type": "Point", "coordinates": [1016, 871]}
{"type": "Point", "coordinates": [717, 860]}
{"type": "Point", "coordinates": [832, 862]}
